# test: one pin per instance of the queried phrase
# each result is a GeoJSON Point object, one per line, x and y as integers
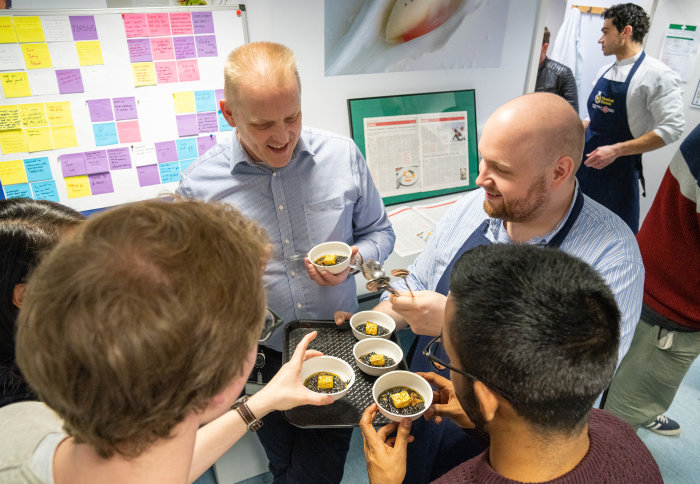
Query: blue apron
{"type": "Point", "coordinates": [617, 185]}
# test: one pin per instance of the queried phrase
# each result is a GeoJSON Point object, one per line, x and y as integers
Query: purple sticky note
{"type": "Point", "coordinates": [184, 47]}
{"type": "Point", "coordinates": [219, 93]}
{"type": "Point", "coordinates": [124, 108]}
{"type": "Point", "coordinates": [204, 143]}
{"type": "Point", "coordinates": [96, 161]}
{"type": "Point", "coordinates": [206, 46]}
{"type": "Point", "coordinates": [119, 158]}
{"type": "Point", "coordinates": [166, 151]}
{"type": "Point", "coordinates": [187, 124]}
{"type": "Point", "coordinates": [139, 50]}
{"type": "Point", "coordinates": [100, 110]}
{"type": "Point", "coordinates": [202, 22]}
{"type": "Point", "coordinates": [101, 183]}
{"type": "Point", "coordinates": [69, 81]}
{"type": "Point", "coordinates": [148, 175]}
{"type": "Point", "coordinates": [206, 123]}
{"type": "Point", "coordinates": [83, 27]}
{"type": "Point", "coordinates": [73, 164]}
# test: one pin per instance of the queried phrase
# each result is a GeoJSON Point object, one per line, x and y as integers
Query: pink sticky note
{"type": "Point", "coordinates": [148, 175]}
{"type": "Point", "coordinates": [206, 123]}
{"type": "Point", "coordinates": [128, 131]}
{"type": "Point", "coordinates": [206, 46]}
{"type": "Point", "coordinates": [96, 161]}
{"type": "Point", "coordinates": [204, 143]}
{"type": "Point", "coordinates": [119, 158]}
{"type": "Point", "coordinates": [100, 110]}
{"type": "Point", "coordinates": [166, 72]}
{"type": "Point", "coordinates": [181, 23]}
{"type": "Point", "coordinates": [203, 22]}
{"type": "Point", "coordinates": [70, 81]}
{"type": "Point", "coordinates": [139, 50]}
{"type": "Point", "coordinates": [135, 25]}
{"type": "Point", "coordinates": [73, 164]}
{"type": "Point", "coordinates": [124, 108]}
{"type": "Point", "coordinates": [166, 151]}
{"type": "Point", "coordinates": [162, 48]}
{"type": "Point", "coordinates": [186, 124]}
{"type": "Point", "coordinates": [158, 24]}
{"type": "Point", "coordinates": [188, 70]}
{"type": "Point", "coordinates": [184, 47]}
{"type": "Point", "coordinates": [101, 183]}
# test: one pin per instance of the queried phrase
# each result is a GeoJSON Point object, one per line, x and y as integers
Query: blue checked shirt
{"type": "Point", "coordinates": [598, 237]}
{"type": "Point", "coordinates": [325, 193]}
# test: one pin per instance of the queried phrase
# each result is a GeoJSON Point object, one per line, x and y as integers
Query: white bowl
{"type": "Point", "coordinates": [406, 379]}
{"type": "Point", "coordinates": [328, 248]}
{"type": "Point", "coordinates": [377, 345]}
{"type": "Point", "coordinates": [330, 364]}
{"type": "Point", "coordinates": [374, 316]}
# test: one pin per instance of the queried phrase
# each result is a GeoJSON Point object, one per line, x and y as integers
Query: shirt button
{"type": "Point", "coordinates": [274, 174]}
{"type": "Point", "coordinates": [299, 305]}
{"type": "Point", "coordinates": [281, 207]}
{"type": "Point", "coordinates": [286, 241]}
{"type": "Point", "coordinates": [294, 273]}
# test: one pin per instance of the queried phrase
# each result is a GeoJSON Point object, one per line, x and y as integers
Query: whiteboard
{"type": "Point", "coordinates": [103, 107]}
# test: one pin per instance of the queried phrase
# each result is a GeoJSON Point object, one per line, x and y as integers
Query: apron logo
{"type": "Point", "coordinates": [597, 97]}
{"type": "Point", "coordinates": [603, 103]}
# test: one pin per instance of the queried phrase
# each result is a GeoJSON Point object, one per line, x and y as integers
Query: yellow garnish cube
{"type": "Point", "coordinates": [401, 399]}
{"type": "Point", "coordinates": [376, 360]}
{"type": "Point", "coordinates": [371, 328]}
{"type": "Point", "coordinates": [325, 381]}
{"type": "Point", "coordinates": [329, 260]}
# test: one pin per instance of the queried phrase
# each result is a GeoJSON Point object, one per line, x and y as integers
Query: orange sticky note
{"type": "Point", "coordinates": [63, 136]}
{"type": "Point", "coordinates": [144, 74]}
{"type": "Point", "coordinates": [15, 84]}
{"type": "Point", "coordinates": [28, 29]}
{"type": "Point", "coordinates": [78, 186]}
{"type": "Point", "coordinates": [36, 56]}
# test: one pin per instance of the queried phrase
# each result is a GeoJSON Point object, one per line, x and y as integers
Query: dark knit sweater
{"type": "Point", "coordinates": [616, 455]}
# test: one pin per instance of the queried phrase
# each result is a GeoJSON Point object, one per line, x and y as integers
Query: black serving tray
{"type": "Point", "coordinates": [335, 341]}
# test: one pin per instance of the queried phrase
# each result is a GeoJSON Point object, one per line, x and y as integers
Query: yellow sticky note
{"type": "Point", "coordinates": [38, 139]}
{"type": "Point", "coordinates": [89, 52]}
{"type": "Point", "coordinates": [9, 118]}
{"type": "Point", "coordinates": [32, 115]}
{"type": "Point", "coordinates": [28, 29]}
{"type": "Point", "coordinates": [12, 172]}
{"type": "Point", "coordinates": [144, 74]}
{"type": "Point", "coordinates": [7, 30]}
{"type": "Point", "coordinates": [184, 102]}
{"type": "Point", "coordinates": [15, 84]}
{"type": "Point", "coordinates": [59, 113]}
{"type": "Point", "coordinates": [63, 136]}
{"type": "Point", "coordinates": [36, 56]}
{"type": "Point", "coordinates": [78, 186]}
{"type": "Point", "coordinates": [12, 141]}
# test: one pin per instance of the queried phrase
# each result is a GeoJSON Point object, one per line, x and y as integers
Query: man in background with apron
{"type": "Point", "coordinates": [636, 106]}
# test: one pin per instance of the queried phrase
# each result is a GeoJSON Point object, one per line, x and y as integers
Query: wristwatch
{"type": "Point", "coordinates": [245, 413]}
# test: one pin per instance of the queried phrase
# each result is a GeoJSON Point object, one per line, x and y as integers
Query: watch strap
{"type": "Point", "coordinates": [244, 411]}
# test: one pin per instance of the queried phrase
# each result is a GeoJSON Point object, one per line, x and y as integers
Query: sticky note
{"type": "Point", "coordinates": [100, 110]}
{"type": "Point", "coordinates": [32, 115]}
{"type": "Point", "coordinates": [101, 183]}
{"type": "Point", "coordinates": [18, 191]}
{"type": "Point", "coordinates": [206, 46]}
{"type": "Point", "coordinates": [184, 102]}
{"type": "Point", "coordinates": [9, 117]}
{"type": "Point", "coordinates": [73, 164]}
{"type": "Point", "coordinates": [139, 50]}
{"type": "Point", "coordinates": [219, 93]}
{"type": "Point", "coordinates": [12, 172]}
{"type": "Point", "coordinates": [15, 84]}
{"type": "Point", "coordinates": [205, 101]}
{"type": "Point", "coordinates": [135, 25]}
{"type": "Point", "coordinates": [143, 154]}
{"type": "Point", "coordinates": [11, 57]}
{"type": "Point", "coordinates": [83, 27]}
{"type": "Point", "coordinates": [105, 134]}
{"type": "Point", "coordinates": [7, 30]}
{"type": "Point", "coordinates": [166, 72]}
{"type": "Point", "coordinates": [202, 22]}
{"type": "Point", "coordinates": [206, 122]}
{"type": "Point", "coordinates": [69, 81]}
{"type": "Point", "coordinates": [204, 143]}
{"type": "Point", "coordinates": [63, 136]}
{"type": "Point", "coordinates": [184, 47]}
{"type": "Point", "coordinates": [28, 29]}
{"type": "Point", "coordinates": [148, 175]}
{"type": "Point", "coordinates": [181, 23]}
{"type": "Point", "coordinates": [169, 172]}
{"type": "Point", "coordinates": [158, 24]}
{"type": "Point", "coordinates": [188, 70]}
{"type": "Point", "coordinates": [119, 158]}
{"type": "Point", "coordinates": [42, 82]}
{"type": "Point", "coordinates": [38, 169]}
{"type": "Point", "coordinates": [223, 124]}
{"type": "Point", "coordinates": [186, 124]}
{"type": "Point", "coordinates": [36, 56]}
{"type": "Point", "coordinates": [144, 74]}
{"type": "Point", "coordinates": [124, 108]}
{"type": "Point", "coordinates": [12, 141]}
{"type": "Point", "coordinates": [57, 28]}
{"type": "Point", "coordinates": [186, 148]}
{"type": "Point", "coordinates": [129, 131]}
{"type": "Point", "coordinates": [162, 48]}
{"type": "Point", "coordinates": [45, 190]}
{"type": "Point", "coordinates": [96, 161]}
{"type": "Point", "coordinates": [38, 139]}
{"type": "Point", "coordinates": [184, 164]}
{"type": "Point", "coordinates": [59, 113]}
{"type": "Point", "coordinates": [166, 151]}
{"type": "Point", "coordinates": [78, 186]}
{"type": "Point", "coordinates": [89, 52]}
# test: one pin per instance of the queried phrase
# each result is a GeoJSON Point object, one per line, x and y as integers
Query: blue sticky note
{"type": "Point", "coordinates": [169, 172]}
{"type": "Point", "coordinates": [38, 169]}
{"type": "Point", "coordinates": [186, 148]}
{"type": "Point", "coordinates": [45, 190]}
{"type": "Point", "coordinates": [105, 134]}
{"type": "Point", "coordinates": [17, 191]}
{"type": "Point", "coordinates": [184, 164]}
{"type": "Point", "coordinates": [205, 101]}
{"type": "Point", "coordinates": [223, 124]}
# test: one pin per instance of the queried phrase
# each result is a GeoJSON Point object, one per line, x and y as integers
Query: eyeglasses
{"type": "Point", "coordinates": [272, 322]}
{"type": "Point", "coordinates": [433, 352]}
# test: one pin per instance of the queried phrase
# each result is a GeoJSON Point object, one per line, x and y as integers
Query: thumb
{"type": "Point", "coordinates": [403, 432]}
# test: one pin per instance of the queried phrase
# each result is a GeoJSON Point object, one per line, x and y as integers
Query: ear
{"type": "Point", "coordinates": [544, 48]}
{"type": "Point", "coordinates": [561, 171]}
{"type": "Point", "coordinates": [488, 401]}
{"type": "Point", "coordinates": [627, 32]}
{"type": "Point", "coordinates": [18, 294]}
{"type": "Point", "coordinates": [228, 114]}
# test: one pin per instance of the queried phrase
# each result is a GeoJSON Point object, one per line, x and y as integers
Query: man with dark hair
{"type": "Point", "coordinates": [531, 339]}
{"type": "Point", "coordinates": [636, 106]}
{"type": "Point", "coordinates": [555, 77]}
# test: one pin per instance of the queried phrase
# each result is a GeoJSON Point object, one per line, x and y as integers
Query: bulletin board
{"type": "Point", "coordinates": [103, 107]}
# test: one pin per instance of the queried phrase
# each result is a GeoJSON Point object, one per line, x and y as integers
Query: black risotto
{"type": "Point", "coordinates": [321, 383]}
{"type": "Point", "coordinates": [409, 400]}
{"type": "Point", "coordinates": [381, 330]}
{"type": "Point", "coordinates": [366, 359]}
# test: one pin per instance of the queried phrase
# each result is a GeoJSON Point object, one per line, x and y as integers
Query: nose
{"type": "Point", "coordinates": [483, 175]}
{"type": "Point", "coordinates": [279, 133]}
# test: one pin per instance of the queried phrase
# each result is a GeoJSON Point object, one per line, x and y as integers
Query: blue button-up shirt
{"type": "Point", "coordinates": [325, 193]}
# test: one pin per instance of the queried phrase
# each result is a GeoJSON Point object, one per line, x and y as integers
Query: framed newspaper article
{"type": "Point", "coordinates": [417, 145]}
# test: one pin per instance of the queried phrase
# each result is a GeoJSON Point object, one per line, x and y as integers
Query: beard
{"type": "Point", "coordinates": [522, 209]}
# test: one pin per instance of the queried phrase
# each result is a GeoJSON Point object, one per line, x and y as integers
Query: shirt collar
{"type": "Point", "coordinates": [240, 155]}
{"type": "Point", "coordinates": [629, 60]}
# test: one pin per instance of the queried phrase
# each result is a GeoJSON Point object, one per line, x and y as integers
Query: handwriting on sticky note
{"type": "Point", "coordinates": [78, 186]}
{"type": "Point", "coordinates": [32, 115]}
{"type": "Point", "coordinates": [9, 117]}
{"type": "Point", "coordinates": [144, 74]}
{"type": "Point", "coordinates": [15, 84]}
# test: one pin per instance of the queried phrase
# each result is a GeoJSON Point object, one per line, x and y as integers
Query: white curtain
{"type": "Point", "coordinates": [567, 46]}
